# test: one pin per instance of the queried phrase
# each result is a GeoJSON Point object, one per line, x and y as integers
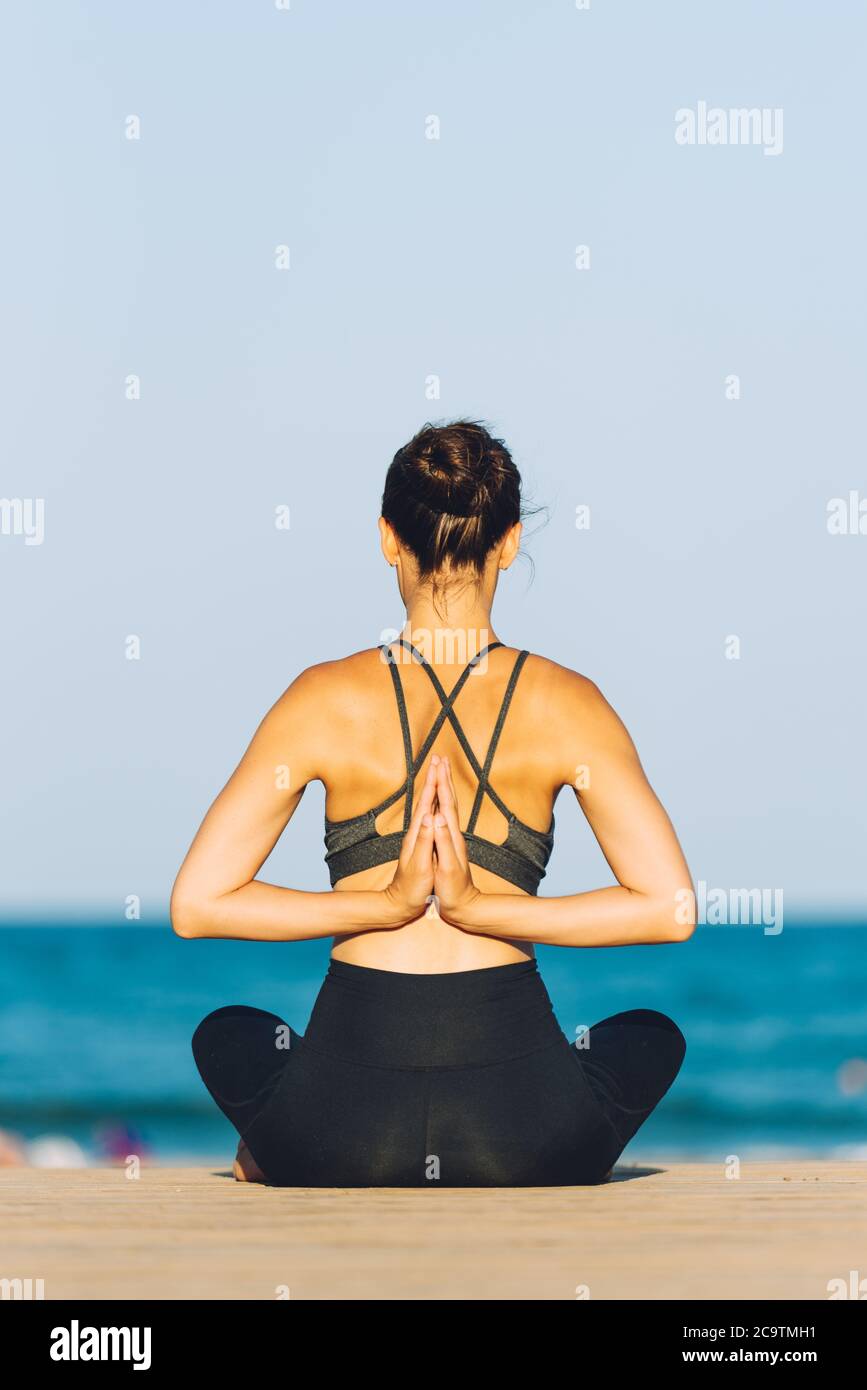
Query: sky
{"type": "Point", "coordinates": [334, 222]}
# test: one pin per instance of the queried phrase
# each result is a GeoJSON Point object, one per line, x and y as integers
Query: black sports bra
{"type": "Point", "coordinates": [355, 844]}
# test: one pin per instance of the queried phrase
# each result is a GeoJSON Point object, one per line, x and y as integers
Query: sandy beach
{"type": "Point", "coordinates": [666, 1231]}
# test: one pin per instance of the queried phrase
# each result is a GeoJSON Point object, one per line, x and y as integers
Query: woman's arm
{"type": "Point", "coordinates": [216, 893]}
{"type": "Point", "coordinates": [654, 900]}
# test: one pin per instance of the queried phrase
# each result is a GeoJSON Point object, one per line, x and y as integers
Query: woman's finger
{"type": "Point", "coordinates": [420, 857]}
{"type": "Point", "coordinates": [451, 782]}
{"type": "Point", "coordinates": [448, 805]}
{"type": "Point", "coordinates": [424, 807]}
{"type": "Point", "coordinates": [447, 860]}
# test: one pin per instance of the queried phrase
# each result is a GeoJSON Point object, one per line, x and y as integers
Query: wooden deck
{"type": "Point", "coordinates": [782, 1230]}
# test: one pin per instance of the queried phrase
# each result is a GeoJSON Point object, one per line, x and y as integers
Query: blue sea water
{"type": "Point", "coordinates": [95, 1024]}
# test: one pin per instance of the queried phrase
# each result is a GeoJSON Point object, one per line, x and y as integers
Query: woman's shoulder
{"type": "Point", "coordinates": [335, 686]}
{"type": "Point", "coordinates": [347, 687]}
{"type": "Point", "coordinates": [565, 702]}
{"type": "Point", "coordinates": [337, 705]}
{"type": "Point", "coordinates": [345, 679]}
{"type": "Point", "coordinates": [552, 680]}
{"type": "Point", "coordinates": [322, 713]}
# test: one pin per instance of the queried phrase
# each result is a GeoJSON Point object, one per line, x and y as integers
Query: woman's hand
{"type": "Point", "coordinates": [453, 888]}
{"type": "Point", "coordinates": [409, 893]}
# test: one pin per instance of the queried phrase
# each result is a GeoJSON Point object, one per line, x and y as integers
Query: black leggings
{"type": "Point", "coordinates": [461, 1080]}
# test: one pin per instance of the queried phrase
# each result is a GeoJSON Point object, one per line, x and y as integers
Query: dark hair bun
{"type": "Point", "coordinates": [451, 493]}
{"type": "Point", "coordinates": [449, 470]}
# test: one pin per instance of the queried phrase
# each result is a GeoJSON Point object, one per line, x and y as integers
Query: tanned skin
{"type": "Point", "coordinates": [431, 911]}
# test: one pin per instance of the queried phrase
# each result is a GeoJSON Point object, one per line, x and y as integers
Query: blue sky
{"type": "Point", "coordinates": [410, 258]}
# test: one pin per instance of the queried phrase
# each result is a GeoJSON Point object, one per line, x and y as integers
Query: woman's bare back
{"type": "Point", "coordinates": [365, 764]}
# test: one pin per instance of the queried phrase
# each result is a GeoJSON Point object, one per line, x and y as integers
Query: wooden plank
{"type": "Point", "coordinates": [780, 1230]}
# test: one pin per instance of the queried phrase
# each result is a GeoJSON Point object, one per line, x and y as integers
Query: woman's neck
{"type": "Point", "coordinates": [450, 635]}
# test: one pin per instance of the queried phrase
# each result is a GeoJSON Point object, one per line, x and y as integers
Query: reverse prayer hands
{"type": "Point", "coordinates": [453, 885]}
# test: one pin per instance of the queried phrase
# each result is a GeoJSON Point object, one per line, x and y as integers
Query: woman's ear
{"type": "Point", "coordinates": [510, 546]}
{"type": "Point", "coordinates": [388, 542]}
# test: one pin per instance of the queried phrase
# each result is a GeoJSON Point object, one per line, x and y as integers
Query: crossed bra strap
{"type": "Point", "coordinates": [447, 712]}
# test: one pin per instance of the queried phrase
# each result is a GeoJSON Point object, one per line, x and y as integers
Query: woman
{"type": "Point", "coordinates": [432, 1054]}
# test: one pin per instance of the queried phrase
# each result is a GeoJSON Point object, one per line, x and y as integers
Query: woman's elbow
{"type": "Point", "coordinates": [678, 916]}
{"type": "Point", "coordinates": [185, 915]}
{"type": "Point", "coordinates": [681, 931]}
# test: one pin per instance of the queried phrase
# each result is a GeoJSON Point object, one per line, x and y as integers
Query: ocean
{"type": "Point", "coordinates": [95, 1025]}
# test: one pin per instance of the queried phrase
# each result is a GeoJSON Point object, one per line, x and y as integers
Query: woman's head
{"type": "Point", "coordinates": [452, 498]}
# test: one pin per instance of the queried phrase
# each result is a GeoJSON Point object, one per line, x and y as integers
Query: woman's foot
{"type": "Point", "coordinates": [245, 1168]}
